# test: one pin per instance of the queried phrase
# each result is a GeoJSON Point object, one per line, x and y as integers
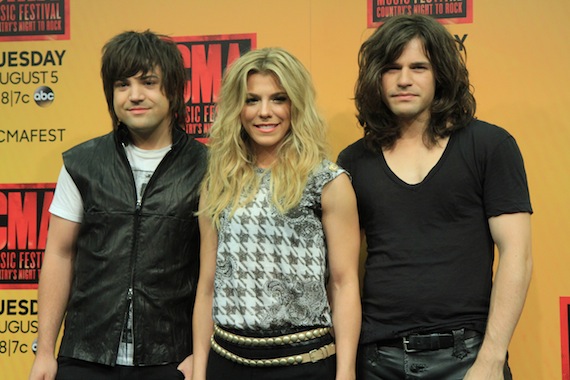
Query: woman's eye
{"type": "Point", "coordinates": [280, 99]}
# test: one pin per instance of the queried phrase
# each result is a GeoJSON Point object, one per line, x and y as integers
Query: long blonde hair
{"type": "Point", "coordinates": [231, 179]}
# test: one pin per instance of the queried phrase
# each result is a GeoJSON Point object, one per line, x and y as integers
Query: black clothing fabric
{"type": "Point", "coordinates": [221, 368]}
{"type": "Point", "coordinates": [430, 250]}
{"type": "Point", "coordinates": [73, 369]}
{"type": "Point", "coordinates": [151, 248]}
{"type": "Point", "coordinates": [377, 362]}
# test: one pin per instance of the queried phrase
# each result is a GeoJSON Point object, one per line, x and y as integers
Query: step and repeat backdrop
{"type": "Point", "coordinates": [51, 99]}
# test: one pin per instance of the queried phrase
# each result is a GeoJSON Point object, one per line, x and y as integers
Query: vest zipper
{"type": "Point", "coordinates": [138, 210]}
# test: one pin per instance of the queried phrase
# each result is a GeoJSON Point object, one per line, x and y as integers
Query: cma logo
{"type": "Point", "coordinates": [44, 96]}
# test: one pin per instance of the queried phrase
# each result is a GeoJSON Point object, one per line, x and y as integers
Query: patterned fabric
{"type": "Point", "coordinates": [271, 268]}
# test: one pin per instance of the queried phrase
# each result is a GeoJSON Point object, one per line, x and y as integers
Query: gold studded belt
{"type": "Point", "coordinates": [309, 357]}
{"type": "Point", "coordinates": [272, 341]}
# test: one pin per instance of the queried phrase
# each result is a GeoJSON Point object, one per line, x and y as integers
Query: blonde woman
{"type": "Point", "coordinates": [279, 228]}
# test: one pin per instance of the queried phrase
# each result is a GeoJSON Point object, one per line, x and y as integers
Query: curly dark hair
{"type": "Point", "coordinates": [453, 105]}
{"type": "Point", "coordinates": [132, 52]}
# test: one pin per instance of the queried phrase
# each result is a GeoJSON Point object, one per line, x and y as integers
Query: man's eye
{"type": "Point", "coordinates": [391, 69]}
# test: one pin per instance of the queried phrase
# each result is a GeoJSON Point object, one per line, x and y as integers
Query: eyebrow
{"type": "Point", "coordinates": [274, 94]}
{"type": "Point", "coordinates": [411, 64]}
{"type": "Point", "coordinates": [147, 76]}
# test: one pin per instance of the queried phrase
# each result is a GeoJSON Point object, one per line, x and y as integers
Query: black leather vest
{"type": "Point", "coordinates": [151, 248]}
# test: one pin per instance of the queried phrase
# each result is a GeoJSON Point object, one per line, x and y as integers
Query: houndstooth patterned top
{"type": "Point", "coordinates": [271, 268]}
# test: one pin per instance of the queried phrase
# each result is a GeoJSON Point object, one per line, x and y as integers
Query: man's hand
{"type": "Point", "coordinates": [44, 368]}
{"type": "Point", "coordinates": [480, 371]}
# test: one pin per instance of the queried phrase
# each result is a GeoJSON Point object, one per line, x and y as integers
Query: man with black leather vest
{"type": "Point", "coordinates": [121, 261]}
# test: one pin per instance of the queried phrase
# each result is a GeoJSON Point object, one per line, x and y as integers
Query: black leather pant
{"type": "Point", "coordinates": [376, 362]}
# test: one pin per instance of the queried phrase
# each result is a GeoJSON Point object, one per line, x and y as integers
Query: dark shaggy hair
{"type": "Point", "coordinates": [453, 106]}
{"type": "Point", "coordinates": [132, 52]}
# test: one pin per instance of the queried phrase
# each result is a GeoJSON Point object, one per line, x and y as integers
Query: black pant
{"type": "Point", "coordinates": [73, 369]}
{"type": "Point", "coordinates": [220, 368]}
{"type": "Point", "coordinates": [376, 362]}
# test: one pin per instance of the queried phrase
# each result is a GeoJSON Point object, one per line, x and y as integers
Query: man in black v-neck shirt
{"type": "Point", "coordinates": [437, 190]}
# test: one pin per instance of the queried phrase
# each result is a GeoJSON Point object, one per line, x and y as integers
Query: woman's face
{"type": "Point", "coordinates": [266, 116]}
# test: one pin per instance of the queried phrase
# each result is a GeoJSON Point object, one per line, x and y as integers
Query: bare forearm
{"type": "Point", "coordinates": [203, 328]}
{"type": "Point", "coordinates": [346, 322]}
{"type": "Point", "coordinates": [53, 294]}
{"type": "Point", "coordinates": [507, 300]}
{"type": "Point", "coordinates": [512, 236]}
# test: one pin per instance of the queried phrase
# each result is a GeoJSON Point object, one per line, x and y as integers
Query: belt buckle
{"type": "Point", "coordinates": [318, 354]}
{"type": "Point", "coordinates": [405, 343]}
{"type": "Point", "coordinates": [313, 355]}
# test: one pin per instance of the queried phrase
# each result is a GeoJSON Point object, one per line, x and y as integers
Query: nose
{"type": "Point", "coordinates": [265, 109]}
{"type": "Point", "coordinates": [136, 93]}
{"type": "Point", "coordinates": [405, 78]}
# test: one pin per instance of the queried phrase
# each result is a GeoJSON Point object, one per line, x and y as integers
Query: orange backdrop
{"type": "Point", "coordinates": [518, 53]}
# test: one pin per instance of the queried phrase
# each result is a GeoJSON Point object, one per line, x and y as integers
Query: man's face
{"type": "Point", "coordinates": [408, 84]}
{"type": "Point", "coordinates": [141, 104]}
